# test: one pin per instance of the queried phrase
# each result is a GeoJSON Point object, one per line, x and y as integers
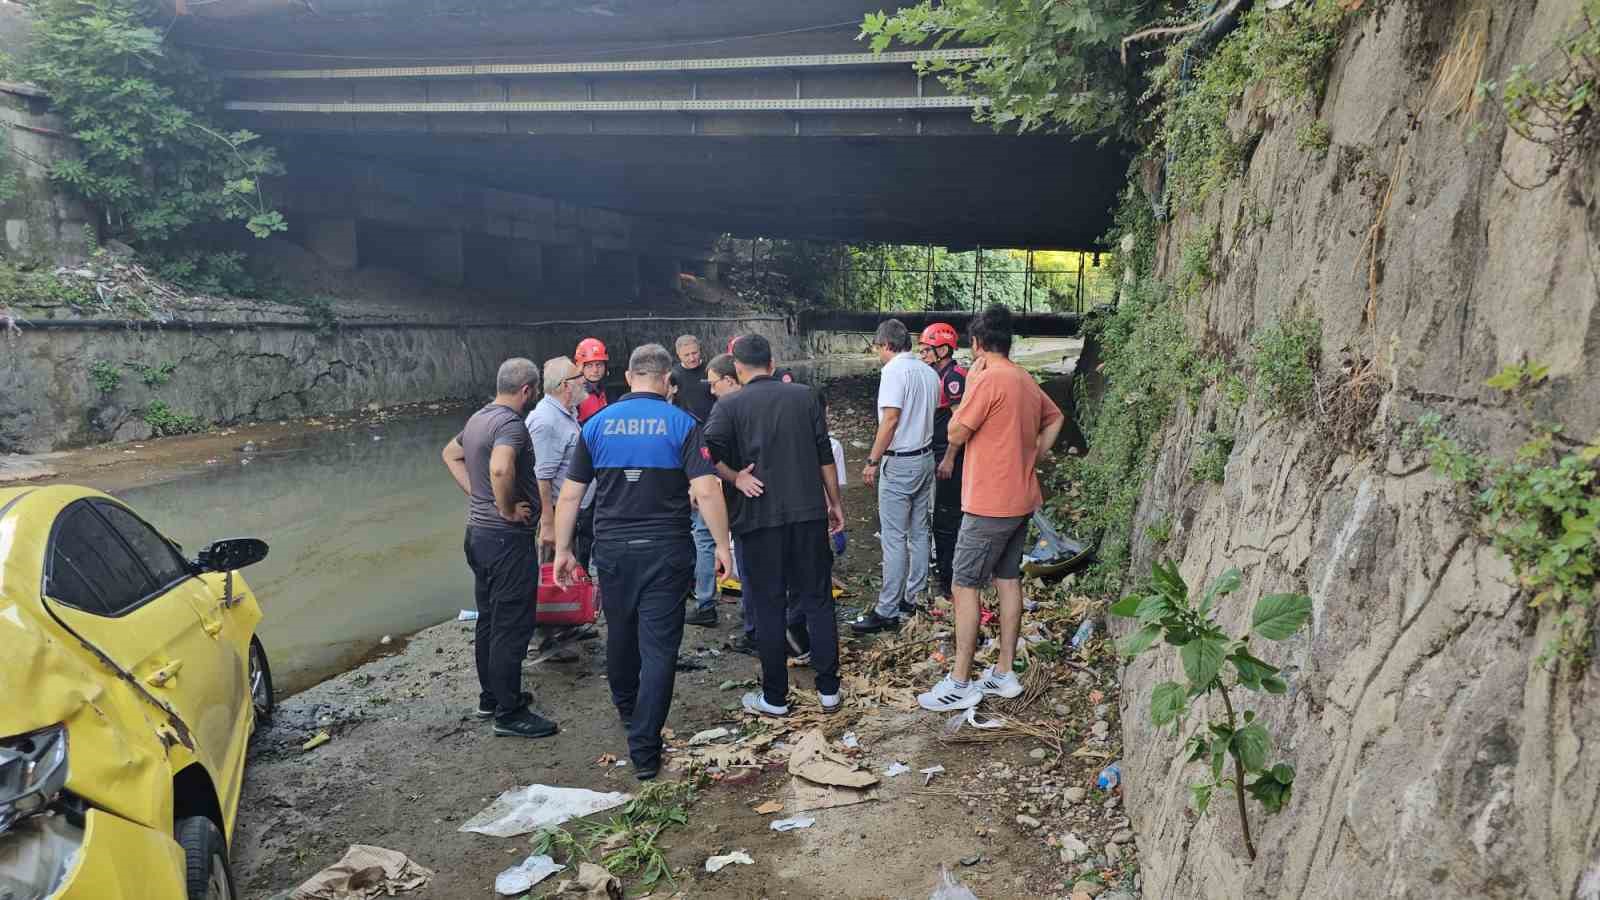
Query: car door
{"type": "Point", "coordinates": [137, 602]}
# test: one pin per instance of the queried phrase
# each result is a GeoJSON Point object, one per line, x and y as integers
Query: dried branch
{"type": "Point", "coordinates": [1174, 30]}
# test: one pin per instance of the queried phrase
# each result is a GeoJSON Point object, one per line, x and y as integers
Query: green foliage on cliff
{"type": "Point", "coordinates": [153, 155]}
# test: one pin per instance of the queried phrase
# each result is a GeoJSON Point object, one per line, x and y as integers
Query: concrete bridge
{"type": "Point", "coordinates": [602, 142]}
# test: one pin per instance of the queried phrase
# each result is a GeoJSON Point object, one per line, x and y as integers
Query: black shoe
{"type": "Point", "coordinates": [646, 774]}
{"type": "Point", "coordinates": [485, 710]}
{"type": "Point", "coordinates": [706, 618]}
{"type": "Point", "coordinates": [907, 608]}
{"type": "Point", "coordinates": [524, 724]}
{"type": "Point", "coordinates": [870, 622]}
{"type": "Point", "coordinates": [799, 640]}
{"type": "Point", "coordinates": [743, 644]}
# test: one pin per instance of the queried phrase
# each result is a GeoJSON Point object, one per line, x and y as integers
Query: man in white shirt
{"type": "Point", "coordinates": [901, 463]}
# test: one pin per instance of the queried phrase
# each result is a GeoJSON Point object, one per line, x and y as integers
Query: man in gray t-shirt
{"type": "Point", "coordinates": [492, 460]}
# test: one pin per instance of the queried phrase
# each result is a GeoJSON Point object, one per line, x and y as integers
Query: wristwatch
{"type": "Point", "coordinates": [872, 462]}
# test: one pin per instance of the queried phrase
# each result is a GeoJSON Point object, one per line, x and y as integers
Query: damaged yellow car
{"type": "Point", "coordinates": [130, 681]}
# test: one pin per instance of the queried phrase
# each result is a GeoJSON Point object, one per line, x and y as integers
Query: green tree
{"type": "Point", "coordinates": [152, 155]}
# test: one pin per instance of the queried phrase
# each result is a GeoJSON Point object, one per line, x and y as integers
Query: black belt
{"type": "Point", "coordinates": [926, 449]}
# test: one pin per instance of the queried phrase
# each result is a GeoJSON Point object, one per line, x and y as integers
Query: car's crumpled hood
{"type": "Point", "coordinates": [116, 753]}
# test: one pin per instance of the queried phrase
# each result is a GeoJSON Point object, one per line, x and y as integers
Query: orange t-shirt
{"type": "Point", "coordinates": [1006, 409]}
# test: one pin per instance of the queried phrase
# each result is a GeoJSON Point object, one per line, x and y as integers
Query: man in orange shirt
{"type": "Point", "coordinates": [1007, 424]}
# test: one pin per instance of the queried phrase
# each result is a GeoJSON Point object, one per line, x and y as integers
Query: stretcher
{"type": "Point", "coordinates": [1054, 553]}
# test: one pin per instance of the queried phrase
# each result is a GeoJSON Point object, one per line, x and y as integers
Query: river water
{"type": "Point", "coordinates": [364, 525]}
{"type": "Point", "coordinates": [365, 529]}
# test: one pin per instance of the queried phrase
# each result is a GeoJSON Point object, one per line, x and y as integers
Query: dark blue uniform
{"type": "Point", "coordinates": [641, 452]}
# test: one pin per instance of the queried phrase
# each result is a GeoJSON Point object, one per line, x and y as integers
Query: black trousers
{"type": "Point", "coordinates": [642, 584]}
{"type": "Point", "coordinates": [583, 540]}
{"type": "Point", "coordinates": [505, 573]}
{"type": "Point", "coordinates": [946, 524]}
{"type": "Point", "coordinates": [789, 565]}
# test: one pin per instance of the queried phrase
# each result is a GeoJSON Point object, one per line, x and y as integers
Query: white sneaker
{"type": "Point", "coordinates": [947, 695]}
{"type": "Point", "coordinates": [755, 703]}
{"type": "Point", "coordinates": [830, 702]}
{"type": "Point", "coordinates": [1003, 685]}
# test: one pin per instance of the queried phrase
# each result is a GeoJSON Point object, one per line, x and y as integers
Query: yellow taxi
{"type": "Point", "coordinates": [130, 681]}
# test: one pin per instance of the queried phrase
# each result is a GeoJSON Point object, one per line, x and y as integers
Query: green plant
{"type": "Point", "coordinates": [1159, 531]}
{"type": "Point", "coordinates": [628, 843]}
{"type": "Point", "coordinates": [165, 421]}
{"type": "Point", "coordinates": [1211, 463]}
{"type": "Point", "coordinates": [1541, 510]}
{"type": "Point", "coordinates": [152, 155]}
{"type": "Point", "coordinates": [215, 273]}
{"type": "Point", "coordinates": [106, 377]}
{"type": "Point", "coordinates": [1314, 137]}
{"type": "Point", "coordinates": [1195, 270]}
{"type": "Point", "coordinates": [1165, 610]}
{"type": "Point", "coordinates": [154, 376]}
{"type": "Point", "coordinates": [1284, 359]}
{"type": "Point", "coordinates": [1519, 377]}
{"type": "Point", "coordinates": [1554, 105]}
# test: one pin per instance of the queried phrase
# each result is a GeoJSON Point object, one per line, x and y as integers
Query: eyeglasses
{"type": "Point", "coordinates": [572, 378]}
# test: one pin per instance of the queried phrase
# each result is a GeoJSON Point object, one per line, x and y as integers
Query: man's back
{"type": "Point", "coordinates": [490, 427]}
{"type": "Point", "coordinates": [779, 429]}
{"type": "Point", "coordinates": [911, 386]}
{"type": "Point", "coordinates": [1005, 409]}
{"type": "Point", "coordinates": [640, 452]}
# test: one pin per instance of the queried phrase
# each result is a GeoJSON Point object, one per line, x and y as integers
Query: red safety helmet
{"type": "Point", "coordinates": [939, 334]}
{"type": "Point", "coordinates": [590, 350]}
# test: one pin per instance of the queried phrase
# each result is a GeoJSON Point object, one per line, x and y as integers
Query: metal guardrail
{"type": "Point", "coordinates": [842, 104]}
{"type": "Point", "coordinates": [797, 61]}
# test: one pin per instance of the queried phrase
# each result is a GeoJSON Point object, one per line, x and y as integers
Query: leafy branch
{"type": "Point", "coordinates": [1165, 611]}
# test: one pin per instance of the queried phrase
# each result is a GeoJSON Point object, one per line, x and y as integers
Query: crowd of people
{"type": "Point", "coordinates": [707, 468]}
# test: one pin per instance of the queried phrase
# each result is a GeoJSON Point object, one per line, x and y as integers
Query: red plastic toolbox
{"type": "Point", "coordinates": [566, 606]}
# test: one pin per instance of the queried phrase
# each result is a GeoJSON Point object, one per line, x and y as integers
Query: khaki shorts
{"type": "Point", "coordinates": [988, 547]}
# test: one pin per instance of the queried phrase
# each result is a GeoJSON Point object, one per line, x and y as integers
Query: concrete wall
{"type": "Point", "coordinates": [234, 373]}
{"type": "Point", "coordinates": [41, 222]}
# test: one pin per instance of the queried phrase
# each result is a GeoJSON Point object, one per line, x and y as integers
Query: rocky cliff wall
{"type": "Point", "coordinates": [1434, 757]}
{"type": "Point", "coordinates": [228, 372]}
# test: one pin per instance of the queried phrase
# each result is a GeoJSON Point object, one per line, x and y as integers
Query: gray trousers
{"type": "Point", "coordinates": [905, 515]}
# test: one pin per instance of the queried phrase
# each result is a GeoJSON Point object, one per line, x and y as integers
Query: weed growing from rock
{"type": "Point", "coordinates": [1211, 463]}
{"type": "Point", "coordinates": [165, 421]}
{"type": "Point", "coordinates": [1284, 361]}
{"type": "Point", "coordinates": [1552, 102]}
{"type": "Point", "coordinates": [1165, 610]}
{"type": "Point", "coordinates": [106, 376]}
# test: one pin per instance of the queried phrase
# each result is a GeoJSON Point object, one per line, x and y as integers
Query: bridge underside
{"type": "Point", "coordinates": [992, 190]}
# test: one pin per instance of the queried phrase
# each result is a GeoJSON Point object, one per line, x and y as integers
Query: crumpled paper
{"type": "Point", "coordinates": [812, 760]}
{"type": "Point", "coordinates": [592, 881]}
{"type": "Point", "coordinates": [520, 878]}
{"type": "Point", "coordinates": [718, 863]}
{"type": "Point", "coordinates": [521, 810]}
{"type": "Point", "coordinates": [362, 873]}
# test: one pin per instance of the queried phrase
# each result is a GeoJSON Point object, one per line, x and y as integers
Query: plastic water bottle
{"type": "Point", "coordinates": [1083, 634]}
{"type": "Point", "coordinates": [1110, 777]}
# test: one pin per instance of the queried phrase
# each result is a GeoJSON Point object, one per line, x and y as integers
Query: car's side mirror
{"type": "Point", "coordinates": [230, 554]}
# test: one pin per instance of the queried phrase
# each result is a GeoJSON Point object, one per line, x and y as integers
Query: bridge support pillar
{"type": "Point", "coordinates": [524, 263]}
{"type": "Point", "coordinates": [444, 257]}
{"type": "Point", "coordinates": [333, 240]}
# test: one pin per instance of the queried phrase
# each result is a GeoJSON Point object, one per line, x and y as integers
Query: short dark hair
{"type": "Point", "coordinates": [992, 328]}
{"type": "Point", "coordinates": [721, 366]}
{"type": "Point", "coordinates": [753, 350]}
{"type": "Point", "coordinates": [892, 333]}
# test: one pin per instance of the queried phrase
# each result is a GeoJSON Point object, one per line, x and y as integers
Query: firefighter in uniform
{"type": "Point", "coordinates": [937, 347]}
{"type": "Point", "coordinates": [591, 358]}
{"type": "Point", "coordinates": [645, 457]}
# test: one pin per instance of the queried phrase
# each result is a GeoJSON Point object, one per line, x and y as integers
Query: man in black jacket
{"type": "Point", "coordinates": [779, 429]}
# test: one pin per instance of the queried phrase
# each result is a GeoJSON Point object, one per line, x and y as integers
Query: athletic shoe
{"type": "Point", "coordinates": [947, 695]}
{"type": "Point", "coordinates": [485, 710]}
{"type": "Point", "coordinates": [799, 639]}
{"type": "Point", "coordinates": [1003, 685]}
{"type": "Point", "coordinates": [753, 702]}
{"type": "Point", "coordinates": [646, 774]}
{"type": "Point", "coordinates": [830, 703]}
{"type": "Point", "coordinates": [870, 622]}
{"type": "Point", "coordinates": [705, 618]}
{"type": "Point", "coordinates": [743, 644]}
{"type": "Point", "coordinates": [524, 724]}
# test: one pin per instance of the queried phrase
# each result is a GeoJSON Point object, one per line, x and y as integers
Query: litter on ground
{"type": "Point", "coordinates": [896, 768]}
{"type": "Point", "coordinates": [467, 615]}
{"type": "Point", "coordinates": [929, 772]}
{"type": "Point", "coordinates": [521, 810]}
{"type": "Point", "coordinates": [520, 878]}
{"type": "Point", "coordinates": [718, 863]}
{"type": "Point", "coordinates": [709, 735]}
{"type": "Point", "coordinates": [792, 823]}
{"type": "Point", "coordinates": [362, 873]}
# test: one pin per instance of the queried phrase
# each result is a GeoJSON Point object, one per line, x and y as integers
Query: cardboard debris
{"type": "Point", "coordinates": [771, 806]}
{"type": "Point", "coordinates": [362, 873]}
{"type": "Point", "coordinates": [805, 796]}
{"type": "Point", "coordinates": [813, 761]}
{"type": "Point", "coordinates": [592, 881]}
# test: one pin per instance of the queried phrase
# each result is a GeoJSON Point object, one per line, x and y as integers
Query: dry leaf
{"type": "Point", "coordinates": [770, 807]}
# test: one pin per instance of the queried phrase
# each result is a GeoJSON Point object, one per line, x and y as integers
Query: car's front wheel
{"type": "Point", "coordinates": [260, 683]}
{"type": "Point", "coordinates": [205, 857]}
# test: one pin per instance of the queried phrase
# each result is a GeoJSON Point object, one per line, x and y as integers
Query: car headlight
{"type": "Point", "coordinates": [33, 770]}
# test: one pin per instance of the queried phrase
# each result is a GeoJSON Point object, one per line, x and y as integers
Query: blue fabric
{"type": "Point", "coordinates": [638, 433]}
{"type": "Point", "coordinates": [705, 563]}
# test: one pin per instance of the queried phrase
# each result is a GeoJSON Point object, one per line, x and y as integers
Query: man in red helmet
{"type": "Point", "coordinates": [591, 358]}
{"type": "Point", "coordinates": [937, 347]}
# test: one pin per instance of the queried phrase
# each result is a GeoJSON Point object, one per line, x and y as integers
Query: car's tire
{"type": "Point", "coordinates": [261, 696]}
{"type": "Point", "coordinates": [205, 856]}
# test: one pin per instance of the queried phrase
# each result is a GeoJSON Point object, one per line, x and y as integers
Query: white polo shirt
{"type": "Point", "coordinates": [911, 386]}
